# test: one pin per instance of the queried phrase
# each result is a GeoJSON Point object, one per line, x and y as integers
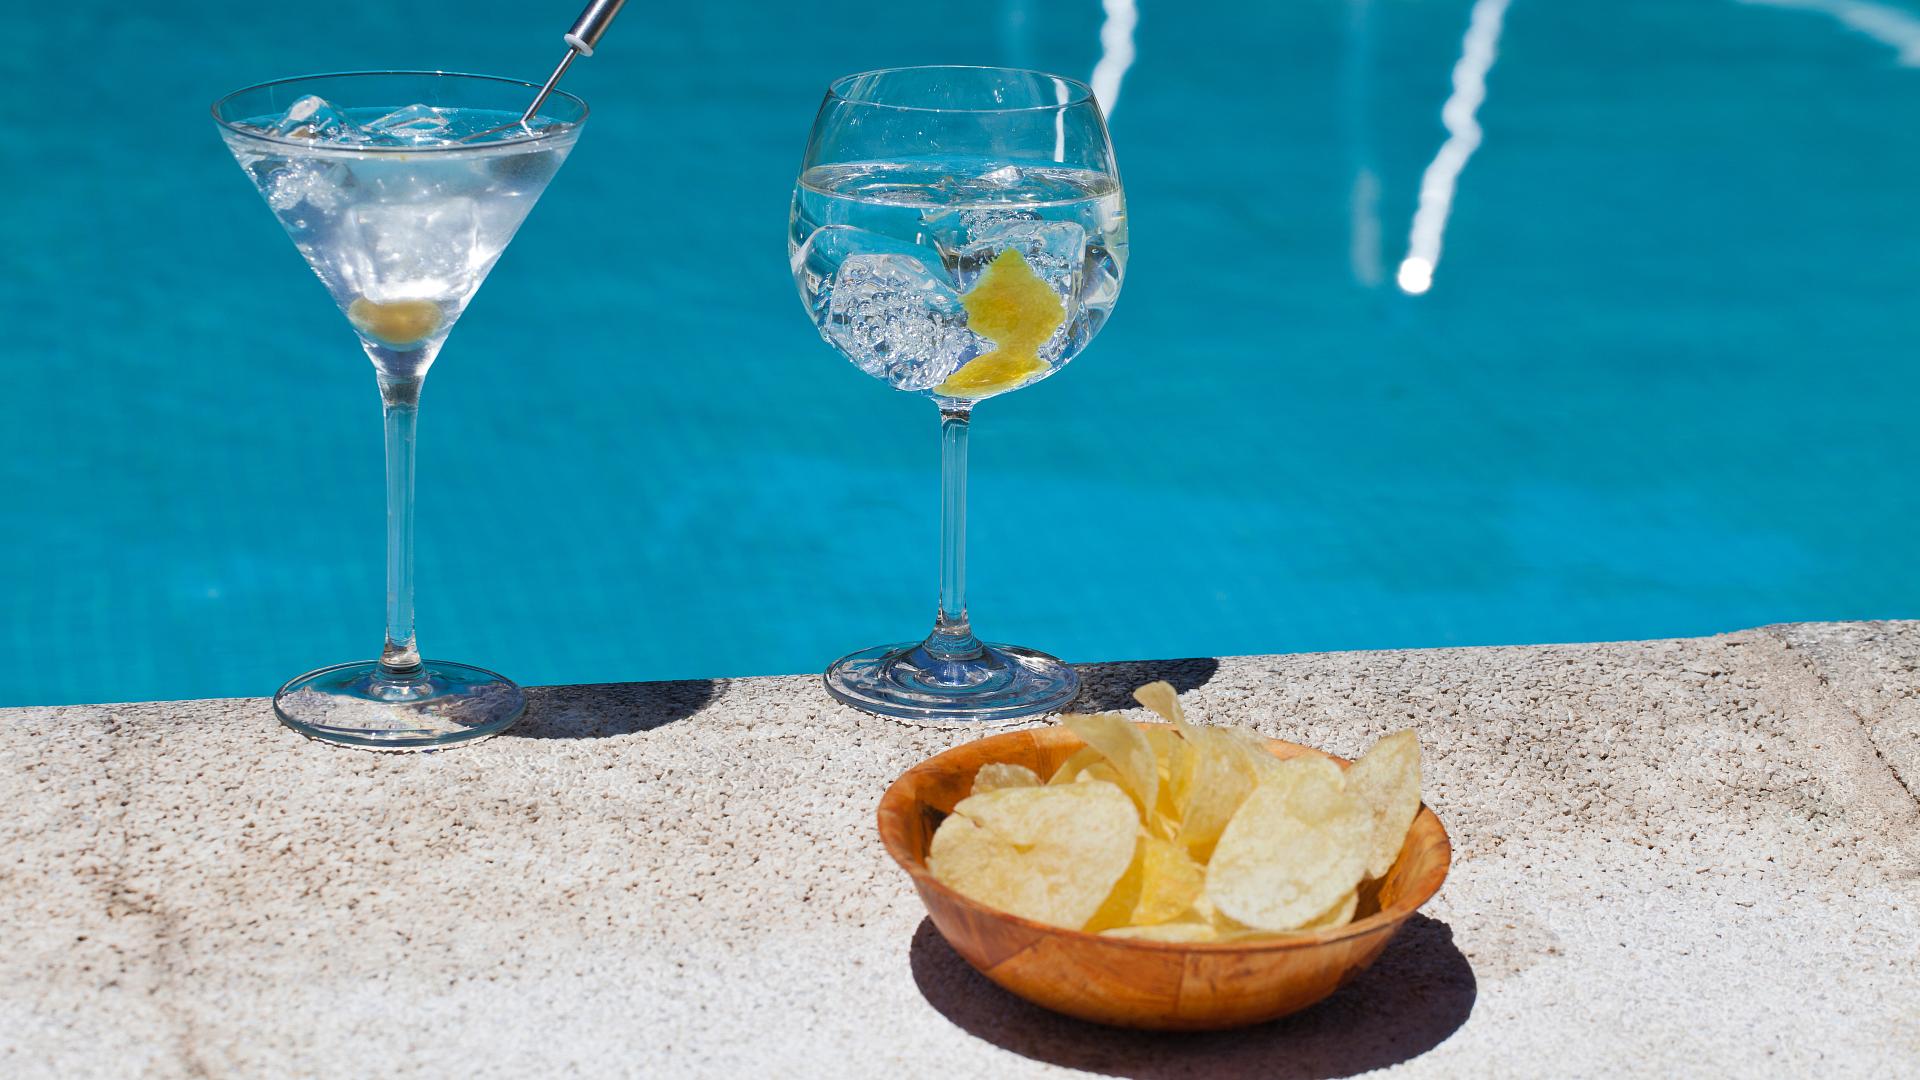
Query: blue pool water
{"type": "Point", "coordinates": [1662, 384]}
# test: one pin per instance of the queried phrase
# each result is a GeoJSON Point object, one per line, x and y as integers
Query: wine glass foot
{"type": "Point", "coordinates": [364, 705]}
{"type": "Point", "coordinates": [905, 681]}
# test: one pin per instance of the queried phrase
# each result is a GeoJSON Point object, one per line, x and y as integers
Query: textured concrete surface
{"type": "Point", "coordinates": [1694, 857]}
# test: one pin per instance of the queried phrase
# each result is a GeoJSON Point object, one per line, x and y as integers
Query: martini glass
{"type": "Point", "coordinates": [401, 189]}
{"type": "Point", "coordinates": [959, 233]}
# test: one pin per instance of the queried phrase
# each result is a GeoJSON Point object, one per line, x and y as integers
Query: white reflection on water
{"type": "Point", "coordinates": [1886, 24]}
{"type": "Point", "coordinates": [1477, 50]}
{"type": "Point", "coordinates": [1015, 35]}
{"type": "Point", "coordinates": [1116, 51]}
{"type": "Point", "coordinates": [1363, 248]}
{"type": "Point", "coordinates": [1363, 201]}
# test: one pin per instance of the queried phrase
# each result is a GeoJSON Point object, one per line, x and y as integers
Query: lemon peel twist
{"type": "Point", "coordinates": [1015, 308]}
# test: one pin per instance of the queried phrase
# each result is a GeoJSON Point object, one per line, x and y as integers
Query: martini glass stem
{"type": "Point", "coordinates": [952, 637]}
{"type": "Point", "coordinates": [400, 409]}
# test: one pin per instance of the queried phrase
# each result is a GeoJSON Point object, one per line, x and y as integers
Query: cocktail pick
{"type": "Point", "coordinates": [586, 33]}
{"type": "Point", "coordinates": [581, 40]}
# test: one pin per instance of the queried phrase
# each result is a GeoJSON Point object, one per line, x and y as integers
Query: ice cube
{"type": "Point", "coordinates": [1057, 251]}
{"type": "Point", "coordinates": [820, 255]}
{"type": "Point", "coordinates": [316, 183]}
{"type": "Point", "coordinates": [413, 125]}
{"type": "Point", "coordinates": [897, 321]}
{"type": "Point", "coordinates": [1099, 288]}
{"type": "Point", "coordinates": [408, 250]}
{"type": "Point", "coordinates": [313, 118]}
{"type": "Point", "coordinates": [1003, 177]}
{"type": "Point", "coordinates": [288, 180]}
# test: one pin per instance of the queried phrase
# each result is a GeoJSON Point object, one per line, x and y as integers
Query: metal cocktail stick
{"type": "Point", "coordinates": [586, 33]}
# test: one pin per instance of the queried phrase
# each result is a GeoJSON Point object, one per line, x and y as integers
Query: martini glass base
{"type": "Point", "coordinates": [365, 705]}
{"type": "Point", "coordinates": [905, 681]}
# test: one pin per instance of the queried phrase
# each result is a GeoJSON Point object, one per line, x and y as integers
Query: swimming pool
{"type": "Point", "coordinates": [1660, 384]}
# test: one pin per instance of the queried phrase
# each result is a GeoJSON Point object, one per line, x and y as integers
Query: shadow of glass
{"type": "Point", "coordinates": [602, 710]}
{"type": "Point", "coordinates": [1107, 687]}
{"type": "Point", "coordinates": [1417, 994]}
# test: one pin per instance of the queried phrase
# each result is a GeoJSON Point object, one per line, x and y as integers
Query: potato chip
{"type": "Point", "coordinates": [1164, 822]}
{"type": "Point", "coordinates": [1167, 747]}
{"type": "Point", "coordinates": [1219, 781]}
{"type": "Point", "coordinates": [1310, 764]}
{"type": "Point", "coordinates": [1387, 780]}
{"type": "Point", "coordinates": [1340, 914]}
{"type": "Point", "coordinates": [1184, 931]}
{"type": "Point", "coordinates": [1170, 754]}
{"type": "Point", "coordinates": [1117, 908]}
{"type": "Point", "coordinates": [1225, 928]}
{"type": "Point", "coordinates": [1170, 882]}
{"type": "Point", "coordinates": [1182, 757]}
{"type": "Point", "coordinates": [984, 865]}
{"type": "Point", "coordinates": [1176, 767]}
{"type": "Point", "coordinates": [1203, 910]}
{"type": "Point", "coordinates": [1161, 698]}
{"type": "Point", "coordinates": [1052, 854]}
{"type": "Point", "coordinates": [995, 775]}
{"type": "Point", "coordinates": [1297, 845]}
{"type": "Point", "coordinates": [1125, 746]}
{"type": "Point", "coordinates": [1157, 823]}
{"type": "Point", "coordinates": [1104, 772]}
{"type": "Point", "coordinates": [1070, 769]}
{"type": "Point", "coordinates": [1253, 750]}
{"type": "Point", "coordinates": [1180, 770]}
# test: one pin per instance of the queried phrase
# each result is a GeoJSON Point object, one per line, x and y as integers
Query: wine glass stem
{"type": "Point", "coordinates": [400, 408]}
{"type": "Point", "coordinates": [952, 637]}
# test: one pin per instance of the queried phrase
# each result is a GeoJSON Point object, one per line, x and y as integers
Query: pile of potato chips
{"type": "Point", "coordinates": [1180, 833]}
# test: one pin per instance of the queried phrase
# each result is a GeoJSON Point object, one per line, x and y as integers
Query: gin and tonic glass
{"type": "Point", "coordinates": [959, 233]}
{"type": "Point", "coordinates": [401, 189]}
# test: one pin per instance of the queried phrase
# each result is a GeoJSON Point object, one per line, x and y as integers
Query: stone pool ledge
{"type": "Point", "coordinates": [1671, 857]}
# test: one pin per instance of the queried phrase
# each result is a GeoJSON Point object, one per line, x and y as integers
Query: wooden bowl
{"type": "Point", "coordinates": [1143, 984]}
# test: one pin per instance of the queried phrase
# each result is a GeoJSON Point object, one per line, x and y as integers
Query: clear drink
{"type": "Point", "coordinates": [401, 240]}
{"type": "Point", "coordinates": [892, 259]}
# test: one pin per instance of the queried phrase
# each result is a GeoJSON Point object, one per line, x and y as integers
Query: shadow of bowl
{"type": "Point", "coordinates": [1418, 993]}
